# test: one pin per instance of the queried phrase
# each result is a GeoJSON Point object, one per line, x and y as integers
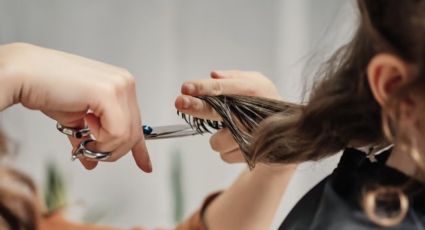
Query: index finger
{"type": "Point", "coordinates": [215, 87]}
{"type": "Point", "coordinates": [196, 107]}
{"type": "Point", "coordinates": [141, 156]}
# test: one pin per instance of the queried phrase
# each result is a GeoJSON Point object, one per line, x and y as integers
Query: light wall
{"type": "Point", "coordinates": [163, 43]}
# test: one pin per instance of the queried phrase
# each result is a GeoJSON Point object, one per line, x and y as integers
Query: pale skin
{"type": "Point", "coordinates": [65, 87]}
{"type": "Point", "coordinates": [386, 74]}
{"type": "Point", "coordinates": [251, 201]}
{"type": "Point", "coordinates": [76, 91]}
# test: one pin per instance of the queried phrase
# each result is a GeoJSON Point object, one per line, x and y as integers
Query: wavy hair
{"type": "Point", "coordinates": [341, 111]}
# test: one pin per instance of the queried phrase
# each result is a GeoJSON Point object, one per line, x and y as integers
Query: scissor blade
{"type": "Point", "coordinates": [159, 130]}
{"type": "Point", "coordinates": [171, 131]}
{"type": "Point", "coordinates": [185, 133]}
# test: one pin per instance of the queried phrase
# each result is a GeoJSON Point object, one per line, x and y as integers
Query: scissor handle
{"type": "Point", "coordinates": [149, 133]}
{"type": "Point", "coordinates": [77, 133]}
{"type": "Point", "coordinates": [85, 132]}
{"type": "Point", "coordinates": [83, 151]}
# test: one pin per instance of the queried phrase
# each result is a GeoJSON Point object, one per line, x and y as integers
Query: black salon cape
{"type": "Point", "coordinates": [334, 204]}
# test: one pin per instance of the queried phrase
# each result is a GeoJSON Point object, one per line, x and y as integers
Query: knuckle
{"type": "Point", "coordinates": [252, 91]}
{"type": "Point", "coordinates": [216, 88]}
{"type": "Point", "coordinates": [199, 88]}
{"type": "Point", "coordinates": [131, 83]}
{"type": "Point", "coordinates": [259, 77]}
{"type": "Point", "coordinates": [129, 78]}
{"type": "Point", "coordinates": [122, 83]}
{"type": "Point", "coordinates": [108, 90]}
{"type": "Point", "coordinates": [198, 106]}
{"type": "Point", "coordinates": [118, 134]}
{"type": "Point", "coordinates": [268, 82]}
{"type": "Point", "coordinates": [125, 73]}
{"type": "Point", "coordinates": [116, 90]}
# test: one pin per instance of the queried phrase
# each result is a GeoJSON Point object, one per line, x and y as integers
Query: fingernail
{"type": "Point", "coordinates": [219, 73]}
{"type": "Point", "coordinates": [186, 103]}
{"type": "Point", "coordinates": [188, 88]}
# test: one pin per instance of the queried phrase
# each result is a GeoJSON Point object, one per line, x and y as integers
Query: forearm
{"type": "Point", "coordinates": [9, 82]}
{"type": "Point", "coordinates": [251, 202]}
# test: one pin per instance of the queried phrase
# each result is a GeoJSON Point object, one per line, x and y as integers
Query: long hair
{"type": "Point", "coordinates": [341, 111]}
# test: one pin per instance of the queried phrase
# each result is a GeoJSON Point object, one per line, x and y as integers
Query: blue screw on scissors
{"type": "Point", "coordinates": [150, 133]}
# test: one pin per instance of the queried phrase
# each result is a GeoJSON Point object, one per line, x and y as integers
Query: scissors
{"type": "Point", "coordinates": [150, 133]}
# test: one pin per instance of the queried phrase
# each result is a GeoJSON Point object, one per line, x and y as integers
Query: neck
{"type": "Point", "coordinates": [402, 161]}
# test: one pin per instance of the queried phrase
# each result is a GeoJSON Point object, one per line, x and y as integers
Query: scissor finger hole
{"type": "Point", "coordinates": [84, 151]}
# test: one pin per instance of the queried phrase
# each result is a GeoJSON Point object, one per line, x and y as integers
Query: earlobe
{"type": "Point", "coordinates": [386, 73]}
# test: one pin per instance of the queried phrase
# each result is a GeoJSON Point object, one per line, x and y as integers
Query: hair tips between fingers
{"type": "Point", "coordinates": [242, 115]}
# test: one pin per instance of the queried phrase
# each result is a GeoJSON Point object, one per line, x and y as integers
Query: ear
{"type": "Point", "coordinates": [386, 73]}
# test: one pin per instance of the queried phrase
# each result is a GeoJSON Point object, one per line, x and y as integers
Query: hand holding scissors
{"type": "Point", "coordinates": [65, 87]}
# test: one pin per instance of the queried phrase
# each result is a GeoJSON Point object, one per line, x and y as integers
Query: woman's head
{"type": "Point", "coordinates": [396, 73]}
{"type": "Point", "coordinates": [372, 93]}
{"type": "Point", "coordinates": [365, 92]}
{"type": "Point", "coordinates": [380, 73]}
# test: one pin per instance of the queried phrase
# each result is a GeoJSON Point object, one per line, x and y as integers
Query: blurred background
{"type": "Point", "coordinates": [163, 43]}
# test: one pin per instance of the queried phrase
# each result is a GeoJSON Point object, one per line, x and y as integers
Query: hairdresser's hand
{"type": "Point", "coordinates": [223, 82]}
{"type": "Point", "coordinates": [76, 91]}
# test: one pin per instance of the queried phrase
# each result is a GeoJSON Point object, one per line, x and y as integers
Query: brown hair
{"type": "Point", "coordinates": [18, 199]}
{"type": "Point", "coordinates": [342, 111]}
{"type": "Point", "coordinates": [242, 115]}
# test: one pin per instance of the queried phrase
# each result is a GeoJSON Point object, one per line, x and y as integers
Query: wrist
{"type": "Point", "coordinates": [10, 80]}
